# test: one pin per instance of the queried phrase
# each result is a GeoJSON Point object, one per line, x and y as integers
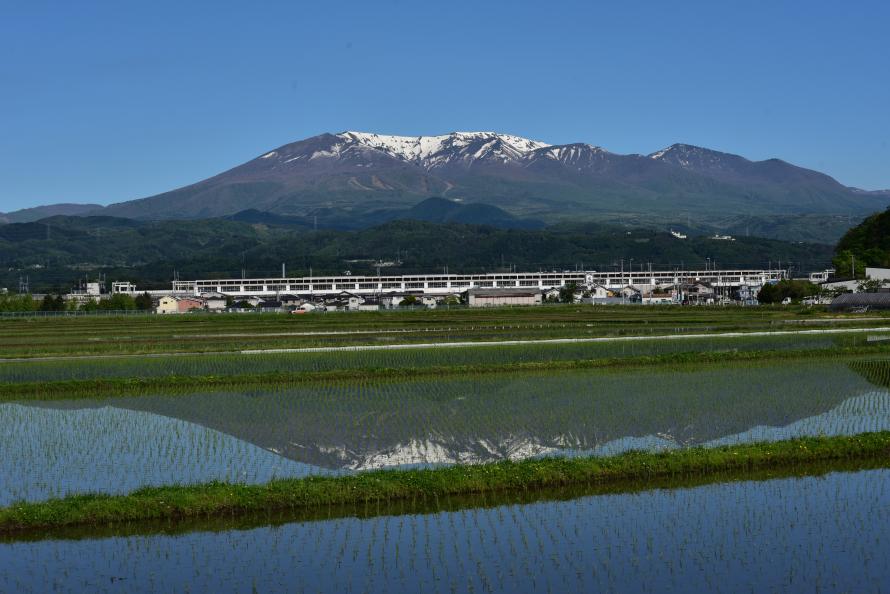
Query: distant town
{"type": "Point", "coordinates": [346, 292]}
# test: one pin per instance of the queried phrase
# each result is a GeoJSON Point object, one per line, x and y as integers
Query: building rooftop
{"type": "Point", "coordinates": [854, 300]}
{"type": "Point", "coordinates": [505, 292]}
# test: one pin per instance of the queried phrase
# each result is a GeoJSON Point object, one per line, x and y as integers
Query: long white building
{"type": "Point", "coordinates": [443, 284]}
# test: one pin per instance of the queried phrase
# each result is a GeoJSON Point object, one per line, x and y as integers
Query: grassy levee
{"type": "Point", "coordinates": [171, 385]}
{"type": "Point", "coordinates": [249, 520]}
{"type": "Point", "coordinates": [222, 499]}
{"type": "Point", "coordinates": [227, 332]}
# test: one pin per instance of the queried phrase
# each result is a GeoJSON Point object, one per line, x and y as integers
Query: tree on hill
{"type": "Point", "coordinates": [866, 244]}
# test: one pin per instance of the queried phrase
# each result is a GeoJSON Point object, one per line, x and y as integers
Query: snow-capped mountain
{"type": "Point", "coordinates": [426, 152]}
{"type": "Point", "coordinates": [433, 151]}
{"type": "Point", "coordinates": [360, 172]}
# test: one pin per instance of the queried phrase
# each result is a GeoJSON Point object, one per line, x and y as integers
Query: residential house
{"type": "Point", "coordinates": [214, 301]}
{"type": "Point", "coordinates": [551, 294]}
{"type": "Point", "coordinates": [269, 306]}
{"type": "Point", "coordinates": [630, 294]}
{"type": "Point", "coordinates": [697, 294]}
{"type": "Point", "coordinates": [369, 304]}
{"type": "Point", "coordinates": [596, 291]}
{"type": "Point", "coordinates": [170, 304]}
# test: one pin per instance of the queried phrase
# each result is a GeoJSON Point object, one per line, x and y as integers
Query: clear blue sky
{"type": "Point", "coordinates": [110, 101]}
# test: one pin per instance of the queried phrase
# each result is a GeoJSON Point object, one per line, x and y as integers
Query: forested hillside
{"type": "Point", "coordinates": [58, 251]}
{"type": "Point", "coordinates": [867, 244]}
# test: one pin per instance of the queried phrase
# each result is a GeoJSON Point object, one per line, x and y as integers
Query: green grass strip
{"type": "Point", "coordinates": [221, 499]}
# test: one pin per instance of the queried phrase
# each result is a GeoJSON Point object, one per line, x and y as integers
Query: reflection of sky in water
{"type": "Point", "coordinates": [810, 534]}
{"type": "Point", "coordinates": [48, 453]}
{"type": "Point", "coordinates": [860, 414]}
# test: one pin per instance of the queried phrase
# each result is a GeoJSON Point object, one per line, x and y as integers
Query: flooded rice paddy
{"type": "Point", "coordinates": [825, 533]}
{"type": "Point", "coordinates": [116, 445]}
{"type": "Point", "coordinates": [816, 534]}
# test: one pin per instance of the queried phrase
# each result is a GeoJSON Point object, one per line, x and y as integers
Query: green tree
{"type": "Point", "coordinates": [144, 302]}
{"type": "Point", "coordinates": [567, 293]}
{"type": "Point", "coordinates": [89, 305]}
{"type": "Point", "coordinates": [844, 261]}
{"type": "Point", "coordinates": [796, 290]}
{"type": "Point", "coordinates": [52, 303]}
{"type": "Point", "coordinates": [18, 303]}
{"type": "Point", "coordinates": [409, 300]}
{"type": "Point", "coordinates": [871, 285]}
{"type": "Point", "coordinates": [868, 243]}
{"type": "Point", "coordinates": [118, 302]}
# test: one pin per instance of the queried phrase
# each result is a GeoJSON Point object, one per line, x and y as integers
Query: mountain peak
{"type": "Point", "coordinates": [431, 151]}
{"type": "Point", "coordinates": [679, 149]}
{"type": "Point", "coordinates": [696, 158]}
{"type": "Point", "coordinates": [354, 172]}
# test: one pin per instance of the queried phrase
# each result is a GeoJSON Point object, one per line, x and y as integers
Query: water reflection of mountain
{"type": "Point", "coordinates": [516, 416]}
{"type": "Point", "coordinates": [48, 452]}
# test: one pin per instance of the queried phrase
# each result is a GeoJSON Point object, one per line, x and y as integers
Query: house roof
{"type": "Point", "coordinates": [507, 292]}
{"type": "Point", "coordinates": [850, 300]}
{"type": "Point", "coordinates": [183, 298]}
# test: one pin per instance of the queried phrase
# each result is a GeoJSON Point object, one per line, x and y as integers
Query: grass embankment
{"type": "Point", "coordinates": [220, 499]}
{"type": "Point", "coordinates": [227, 332]}
{"type": "Point", "coordinates": [134, 386]}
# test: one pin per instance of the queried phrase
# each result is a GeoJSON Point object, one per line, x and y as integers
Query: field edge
{"type": "Point", "coordinates": [218, 499]}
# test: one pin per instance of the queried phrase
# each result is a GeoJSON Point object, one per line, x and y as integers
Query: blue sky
{"type": "Point", "coordinates": [110, 101]}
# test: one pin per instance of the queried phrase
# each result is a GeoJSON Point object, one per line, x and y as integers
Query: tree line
{"type": "Point", "coordinates": [57, 303]}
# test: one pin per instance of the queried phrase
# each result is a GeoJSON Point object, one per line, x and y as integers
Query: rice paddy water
{"type": "Point", "coordinates": [821, 532]}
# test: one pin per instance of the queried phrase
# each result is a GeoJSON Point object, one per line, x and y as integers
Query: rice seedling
{"type": "Point", "coordinates": [785, 534]}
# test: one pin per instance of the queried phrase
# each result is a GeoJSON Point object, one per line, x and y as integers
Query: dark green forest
{"type": "Point", "coordinates": [55, 253]}
{"type": "Point", "coordinates": [866, 244]}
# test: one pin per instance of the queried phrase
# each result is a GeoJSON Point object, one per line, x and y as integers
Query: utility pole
{"type": "Point", "coordinates": [853, 266]}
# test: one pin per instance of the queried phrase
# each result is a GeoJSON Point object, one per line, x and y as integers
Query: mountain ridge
{"type": "Point", "coordinates": [362, 172]}
{"type": "Point", "coordinates": [354, 174]}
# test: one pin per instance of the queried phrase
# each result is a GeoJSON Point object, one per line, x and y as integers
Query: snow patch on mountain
{"type": "Point", "coordinates": [431, 151]}
{"type": "Point", "coordinates": [659, 154]}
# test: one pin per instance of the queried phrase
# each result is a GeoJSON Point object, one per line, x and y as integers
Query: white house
{"type": "Point", "coordinates": [214, 301]}
{"type": "Point", "coordinates": [598, 292]}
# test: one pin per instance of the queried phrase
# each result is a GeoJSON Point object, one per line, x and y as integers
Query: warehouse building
{"type": "Point", "coordinates": [501, 297]}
